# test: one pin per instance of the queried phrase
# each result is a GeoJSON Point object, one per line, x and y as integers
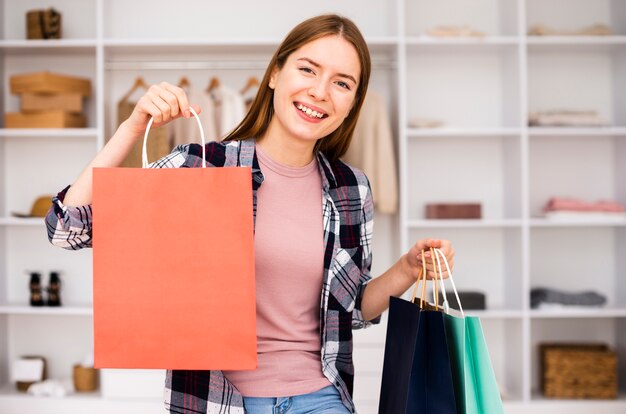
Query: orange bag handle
{"type": "Point", "coordinates": [422, 272]}
{"type": "Point", "coordinates": [422, 277]}
{"type": "Point", "coordinates": [144, 154]}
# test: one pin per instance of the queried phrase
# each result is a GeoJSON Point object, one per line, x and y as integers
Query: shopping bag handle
{"type": "Point", "coordinates": [439, 254]}
{"type": "Point", "coordinates": [422, 273]}
{"type": "Point", "coordinates": [144, 154]}
{"type": "Point", "coordinates": [421, 277]}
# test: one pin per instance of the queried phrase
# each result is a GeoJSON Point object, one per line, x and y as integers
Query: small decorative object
{"type": "Point", "coordinates": [578, 371]}
{"type": "Point", "coordinates": [54, 290]}
{"type": "Point", "coordinates": [36, 294]}
{"type": "Point", "coordinates": [470, 300]}
{"type": "Point", "coordinates": [453, 211]}
{"type": "Point", "coordinates": [85, 378]}
{"type": "Point", "coordinates": [51, 388]}
{"type": "Point", "coordinates": [38, 209]}
{"type": "Point", "coordinates": [43, 24]}
{"type": "Point", "coordinates": [28, 370]}
{"type": "Point", "coordinates": [84, 375]}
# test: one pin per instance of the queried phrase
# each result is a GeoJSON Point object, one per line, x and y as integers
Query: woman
{"type": "Point", "coordinates": [313, 225]}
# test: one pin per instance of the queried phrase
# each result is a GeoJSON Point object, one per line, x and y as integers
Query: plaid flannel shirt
{"type": "Point", "coordinates": [348, 221]}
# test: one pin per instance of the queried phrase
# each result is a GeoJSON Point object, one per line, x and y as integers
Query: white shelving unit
{"type": "Point", "coordinates": [483, 89]}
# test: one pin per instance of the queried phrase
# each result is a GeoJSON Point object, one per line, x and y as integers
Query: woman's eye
{"type": "Point", "coordinates": [307, 70]}
{"type": "Point", "coordinates": [343, 85]}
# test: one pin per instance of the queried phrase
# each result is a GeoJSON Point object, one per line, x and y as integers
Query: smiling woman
{"type": "Point", "coordinates": [313, 224]}
{"type": "Point", "coordinates": [334, 68]}
{"type": "Point", "coordinates": [313, 96]}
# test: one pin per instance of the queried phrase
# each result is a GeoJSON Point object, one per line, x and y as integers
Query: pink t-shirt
{"type": "Point", "coordinates": [289, 253]}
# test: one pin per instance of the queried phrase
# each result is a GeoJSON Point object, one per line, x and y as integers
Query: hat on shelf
{"type": "Point", "coordinates": [39, 209]}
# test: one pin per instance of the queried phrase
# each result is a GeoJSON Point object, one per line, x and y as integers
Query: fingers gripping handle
{"type": "Point", "coordinates": [144, 153]}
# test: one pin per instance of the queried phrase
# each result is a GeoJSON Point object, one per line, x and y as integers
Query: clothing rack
{"type": "Point", "coordinates": [258, 64]}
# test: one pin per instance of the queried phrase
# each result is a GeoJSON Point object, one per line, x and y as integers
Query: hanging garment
{"type": "Point", "coordinates": [230, 108]}
{"type": "Point", "coordinates": [250, 91]}
{"type": "Point", "coordinates": [159, 137]}
{"type": "Point", "coordinates": [371, 150]}
{"type": "Point", "coordinates": [185, 132]}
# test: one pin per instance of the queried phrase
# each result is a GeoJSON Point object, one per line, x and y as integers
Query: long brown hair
{"type": "Point", "coordinates": [258, 118]}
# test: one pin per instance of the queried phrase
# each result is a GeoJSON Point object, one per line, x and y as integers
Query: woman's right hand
{"type": "Point", "coordinates": [165, 102]}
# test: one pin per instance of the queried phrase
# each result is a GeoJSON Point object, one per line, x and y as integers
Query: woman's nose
{"type": "Point", "coordinates": [319, 91]}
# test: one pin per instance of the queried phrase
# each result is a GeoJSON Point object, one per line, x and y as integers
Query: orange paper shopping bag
{"type": "Point", "coordinates": [173, 268]}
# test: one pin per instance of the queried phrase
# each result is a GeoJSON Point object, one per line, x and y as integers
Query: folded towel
{"type": "Point", "coordinates": [546, 295]}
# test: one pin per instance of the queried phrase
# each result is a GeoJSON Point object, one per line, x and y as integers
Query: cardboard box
{"type": "Point", "coordinates": [453, 211]}
{"type": "Point", "coordinates": [68, 102]}
{"type": "Point", "coordinates": [44, 119]}
{"type": "Point", "coordinates": [47, 82]}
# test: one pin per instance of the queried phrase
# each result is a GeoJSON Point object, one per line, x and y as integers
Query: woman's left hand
{"type": "Point", "coordinates": [414, 257]}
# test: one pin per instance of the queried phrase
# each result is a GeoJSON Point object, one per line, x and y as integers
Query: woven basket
{"type": "Point", "coordinates": [85, 378]}
{"type": "Point", "coordinates": [578, 371]}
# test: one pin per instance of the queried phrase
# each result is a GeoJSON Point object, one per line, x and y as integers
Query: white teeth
{"type": "Point", "coordinates": [309, 111]}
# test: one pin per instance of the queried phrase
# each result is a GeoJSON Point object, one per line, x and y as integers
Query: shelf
{"type": "Point", "coordinates": [590, 222]}
{"type": "Point", "coordinates": [538, 397]}
{"type": "Point", "coordinates": [26, 222]}
{"type": "Point", "coordinates": [52, 46]}
{"type": "Point", "coordinates": [122, 47]}
{"type": "Point", "coordinates": [578, 313]}
{"type": "Point", "coordinates": [494, 313]}
{"type": "Point", "coordinates": [8, 392]}
{"type": "Point", "coordinates": [462, 43]}
{"type": "Point", "coordinates": [575, 43]}
{"type": "Point", "coordinates": [477, 223]}
{"type": "Point", "coordinates": [576, 40]}
{"type": "Point", "coordinates": [462, 132]}
{"type": "Point", "coordinates": [83, 310]}
{"type": "Point", "coordinates": [13, 401]}
{"type": "Point", "coordinates": [49, 132]}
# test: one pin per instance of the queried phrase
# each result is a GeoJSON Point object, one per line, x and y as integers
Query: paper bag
{"type": "Point", "coordinates": [173, 268]}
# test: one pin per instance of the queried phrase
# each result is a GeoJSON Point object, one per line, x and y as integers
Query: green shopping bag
{"type": "Point", "coordinates": [475, 387]}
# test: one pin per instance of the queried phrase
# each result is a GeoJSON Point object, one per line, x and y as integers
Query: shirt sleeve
{"type": "Point", "coordinates": [366, 225]}
{"type": "Point", "coordinates": [71, 227]}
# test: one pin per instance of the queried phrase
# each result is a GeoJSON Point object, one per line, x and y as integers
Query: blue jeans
{"type": "Point", "coordinates": [325, 401]}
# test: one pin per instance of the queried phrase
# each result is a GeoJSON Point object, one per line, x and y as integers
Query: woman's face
{"type": "Point", "coordinates": [315, 89]}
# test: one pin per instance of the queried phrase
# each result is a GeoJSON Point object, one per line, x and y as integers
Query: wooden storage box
{"type": "Point", "coordinates": [47, 82]}
{"type": "Point", "coordinates": [44, 119]}
{"type": "Point", "coordinates": [43, 24]}
{"type": "Point", "coordinates": [578, 371]}
{"type": "Point", "coordinates": [453, 211]}
{"type": "Point", "coordinates": [68, 102]}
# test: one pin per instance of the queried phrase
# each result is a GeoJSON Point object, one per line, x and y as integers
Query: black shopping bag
{"type": "Point", "coordinates": [417, 377]}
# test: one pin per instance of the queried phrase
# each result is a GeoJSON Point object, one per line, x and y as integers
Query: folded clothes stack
{"type": "Point", "coordinates": [454, 31]}
{"type": "Point", "coordinates": [566, 118]}
{"type": "Point", "coordinates": [571, 208]}
{"type": "Point", "coordinates": [542, 298]}
{"type": "Point", "coordinates": [598, 29]}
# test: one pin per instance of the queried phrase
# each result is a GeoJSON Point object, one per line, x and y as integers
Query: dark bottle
{"type": "Point", "coordinates": [36, 296]}
{"type": "Point", "coordinates": [54, 290]}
